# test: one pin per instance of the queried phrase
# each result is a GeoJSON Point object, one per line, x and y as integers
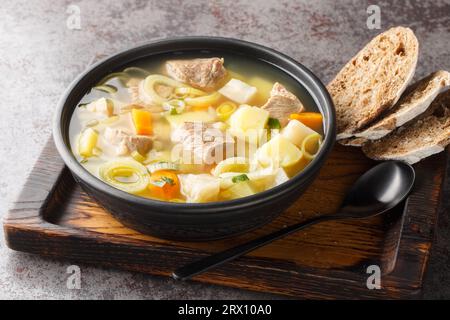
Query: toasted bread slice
{"type": "Point", "coordinates": [427, 135]}
{"type": "Point", "coordinates": [416, 99]}
{"type": "Point", "coordinates": [373, 80]}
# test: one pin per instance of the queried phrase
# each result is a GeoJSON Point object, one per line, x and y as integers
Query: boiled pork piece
{"type": "Point", "coordinates": [202, 73]}
{"type": "Point", "coordinates": [204, 141]}
{"type": "Point", "coordinates": [282, 103]}
{"type": "Point", "coordinates": [126, 143]}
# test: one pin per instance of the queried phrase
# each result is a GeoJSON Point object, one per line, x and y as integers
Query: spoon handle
{"type": "Point", "coordinates": [219, 258]}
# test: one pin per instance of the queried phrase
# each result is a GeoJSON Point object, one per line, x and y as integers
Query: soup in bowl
{"type": "Point", "coordinates": [195, 142]}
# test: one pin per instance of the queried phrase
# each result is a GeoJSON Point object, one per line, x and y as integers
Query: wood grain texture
{"type": "Point", "coordinates": [54, 217]}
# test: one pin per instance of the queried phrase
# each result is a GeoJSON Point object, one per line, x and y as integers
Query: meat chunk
{"type": "Point", "coordinates": [126, 143]}
{"type": "Point", "coordinates": [282, 103]}
{"type": "Point", "coordinates": [202, 73]}
{"type": "Point", "coordinates": [203, 142]}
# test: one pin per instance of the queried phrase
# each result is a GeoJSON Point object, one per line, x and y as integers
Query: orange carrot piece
{"type": "Point", "coordinates": [309, 119]}
{"type": "Point", "coordinates": [164, 184]}
{"type": "Point", "coordinates": [142, 120]}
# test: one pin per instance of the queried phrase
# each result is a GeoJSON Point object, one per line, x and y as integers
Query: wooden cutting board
{"type": "Point", "coordinates": [54, 217]}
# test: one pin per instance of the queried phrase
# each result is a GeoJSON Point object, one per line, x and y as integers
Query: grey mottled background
{"type": "Point", "coordinates": [39, 56]}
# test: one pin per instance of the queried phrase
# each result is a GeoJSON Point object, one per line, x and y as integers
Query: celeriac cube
{"type": "Point", "coordinates": [238, 91]}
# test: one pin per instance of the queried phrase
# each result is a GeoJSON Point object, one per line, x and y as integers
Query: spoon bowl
{"type": "Point", "coordinates": [378, 190]}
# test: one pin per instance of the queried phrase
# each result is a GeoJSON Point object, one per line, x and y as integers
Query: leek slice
{"type": "Point", "coordinates": [106, 88]}
{"type": "Point", "coordinates": [126, 175]}
{"type": "Point", "coordinates": [225, 110]}
{"type": "Point", "coordinates": [204, 101]}
{"type": "Point", "coordinates": [122, 76]}
{"type": "Point", "coordinates": [136, 72]}
{"type": "Point", "coordinates": [188, 92]}
{"type": "Point", "coordinates": [234, 164]}
{"type": "Point", "coordinates": [311, 145]}
{"type": "Point", "coordinates": [152, 80]}
{"type": "Point", "coordinates": [278, 151]}
{"type": "Point", "coordinates": [162, 165]}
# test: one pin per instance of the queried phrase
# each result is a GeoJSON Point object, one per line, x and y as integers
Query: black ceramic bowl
{"type": "Point", "coordinates": [204, 221]}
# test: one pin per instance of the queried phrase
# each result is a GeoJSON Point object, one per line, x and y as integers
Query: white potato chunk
{"type": "Point", "coordinates": [248, 121]}
{"type": "Point", "coordinates": [199, 187]}
{"type": "Point", "coordinates": [238, 91]}
{"type": "Point", "coordinates": [296, 132]}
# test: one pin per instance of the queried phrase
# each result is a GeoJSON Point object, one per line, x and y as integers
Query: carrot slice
{"type": "Point", "coordinates": [310, 119]}
{"type": "Point", "coordinates": [142, 120]}
{"type": "Point", "coordinates": [164, 184]}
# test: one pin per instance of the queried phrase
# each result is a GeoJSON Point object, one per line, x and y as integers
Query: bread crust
{"type": "Point", "coordinates": [427, 135]}
{"type": "Point", "coordinates": [416, 99]}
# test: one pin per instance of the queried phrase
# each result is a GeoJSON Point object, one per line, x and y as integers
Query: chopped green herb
{"type": "Point", "coordinates": [168, 180]}
{"type": "Point", "coordinates": [83, 160]}
{"type": "Point", "coordinates": [161, 182]}
{"type": "Point", "coordinates": [158, 183]}
{"type": "Point", "coordinates": [240, 178]}
{"type": "Point", "coordinates": [173, 111]}
{"type": "Point", "coordinates": [274, 123]}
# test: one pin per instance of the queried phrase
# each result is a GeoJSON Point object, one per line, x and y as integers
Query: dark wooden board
{"type": "Point", "coordinates": [54, 217]}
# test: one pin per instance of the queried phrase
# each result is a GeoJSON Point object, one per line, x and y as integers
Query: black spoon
{"type": "Point", "coordinates": [376, 191]}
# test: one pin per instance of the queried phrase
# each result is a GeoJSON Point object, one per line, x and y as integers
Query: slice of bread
{"type": "Point", "coordinates": [373, 80]}
{"type": "Point", "coordinates": [416, 99]}
{"type": "Point", "coordinates": [353, 141]}
{"type": "Point", "coordinates": [427, 135]}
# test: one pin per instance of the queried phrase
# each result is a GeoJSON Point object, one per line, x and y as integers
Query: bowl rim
{"type": "Point", "coordinates": [320, 96]}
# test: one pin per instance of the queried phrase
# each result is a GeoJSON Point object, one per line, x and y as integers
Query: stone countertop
{"type": "Point", "coordinates": [40, 55]}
